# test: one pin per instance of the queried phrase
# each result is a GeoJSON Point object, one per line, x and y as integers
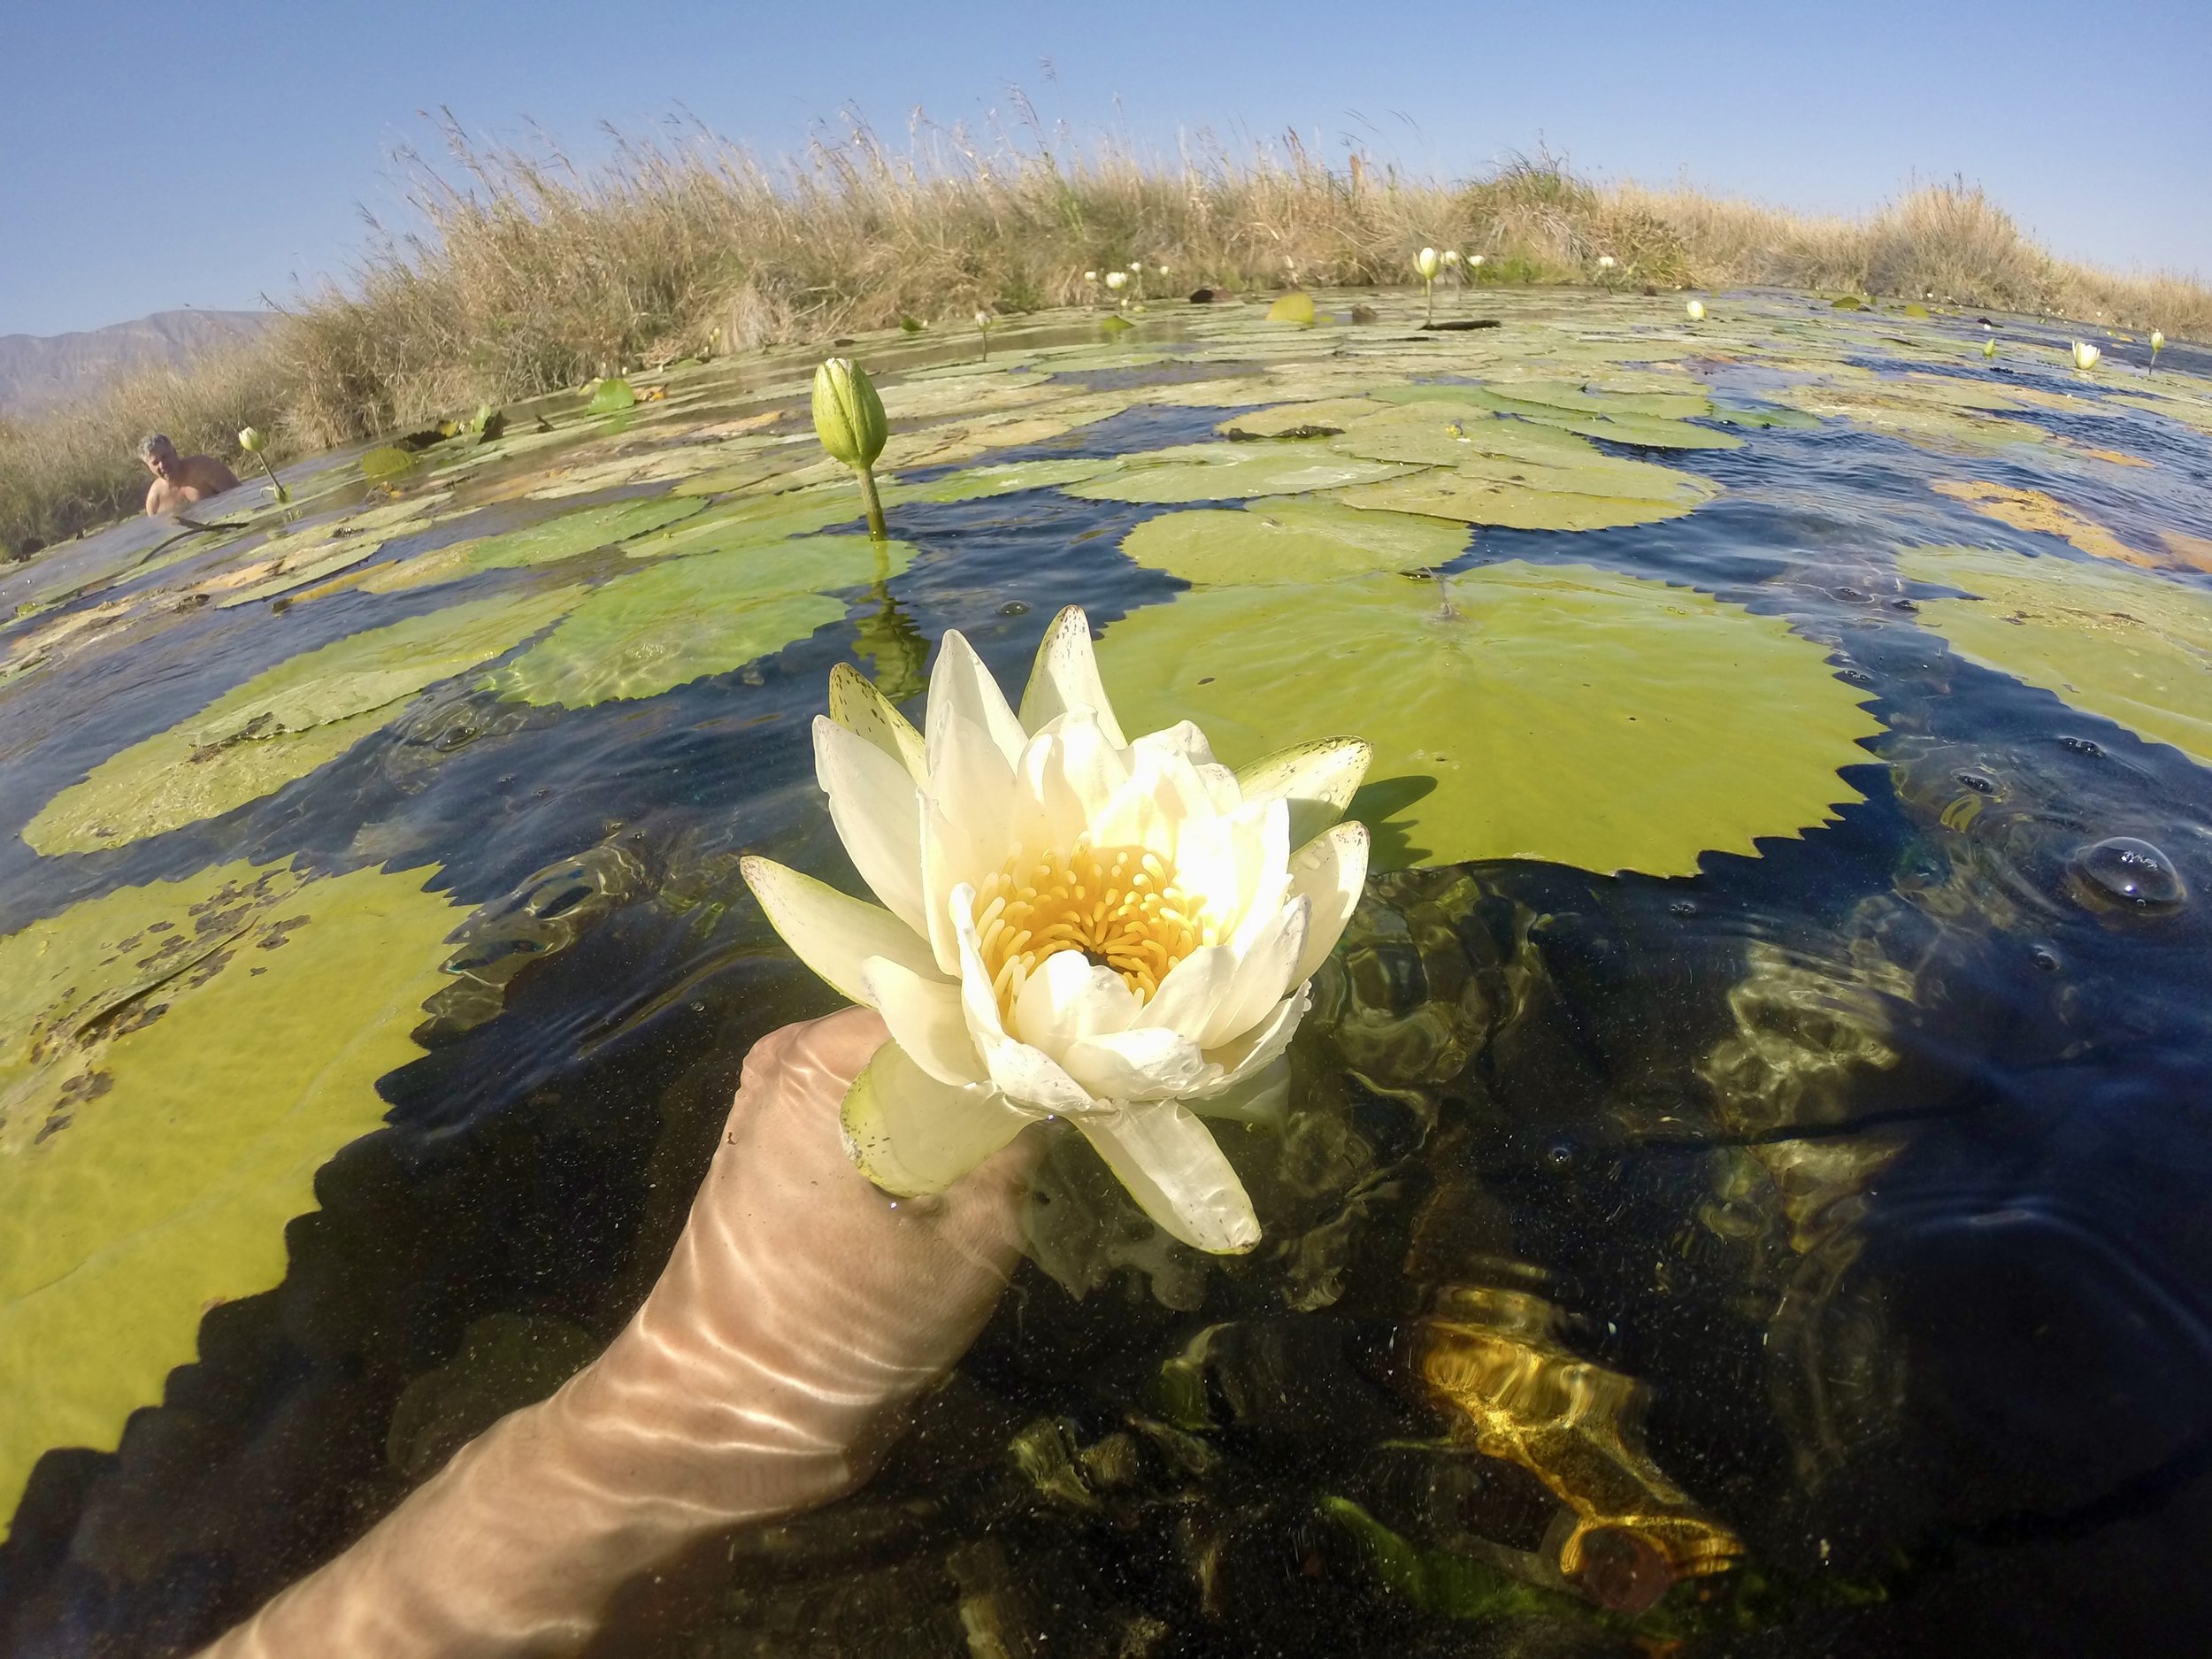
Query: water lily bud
{"type": "Point", "coordinates": [1696, 308]}
{"type": "Point", "coordinates": [1428, 262]}
{"type": "Point", "coordinates": [1989, 348]}
{"type": "Point", "coordinates": [1117, 280]}
{"type": "Point", "coordinates": [2086, 355]}
{"type": "Point", "coordinates": [1477, 258]}
{"type": "Point", "coordinates": [2158, 342]}
{"type": "Point", "coordinates": [249, 440]}
{"type": "Point", "coordinates": [1451, 258]}
{"type": "Point", "coordinates": [983, 319]}
{"type": "Point", "coordinates": [1090, 276]}
{"type": "Point", "coordinates": [1161, 269]}
{"type": "Point", "coordinates": [849, 416]}
{"type": "Point", "coordinates": [1605, 262]}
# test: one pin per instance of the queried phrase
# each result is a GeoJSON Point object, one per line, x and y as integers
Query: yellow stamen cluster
{"type": "Point", "coordinates": [1119, 906]}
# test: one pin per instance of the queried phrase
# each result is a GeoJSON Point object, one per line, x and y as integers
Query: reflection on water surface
{"type": "Point", "coordinates": [1795, 1253]}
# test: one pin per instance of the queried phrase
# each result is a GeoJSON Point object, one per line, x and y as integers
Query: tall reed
{"type": "Point", "coordinates": [524, 272]}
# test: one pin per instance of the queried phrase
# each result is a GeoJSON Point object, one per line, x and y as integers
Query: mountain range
{"type": "Point", "coordinates": [37, 370]}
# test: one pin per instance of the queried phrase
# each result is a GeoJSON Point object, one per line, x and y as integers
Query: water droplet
{"type": "Point", "coordinates": [1980, 783]}
{"type": "Point", "coordinates": [2045, 958]}
{"type": "Point", "coordinates": [2083, 746]}
{"type": "Point", "coordinates": [2128, 874]}
{"type": "Point", "coordinates": [1013, 608]}
{"type": "Point", "coordinates": [1855, 676]}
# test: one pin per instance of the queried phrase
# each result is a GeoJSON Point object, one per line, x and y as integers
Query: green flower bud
{"type": "Point", "coordinates": [847, 415]}
{"type": "Point", "coordinates": [249, 441]}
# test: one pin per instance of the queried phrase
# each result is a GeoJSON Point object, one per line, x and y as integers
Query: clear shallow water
{"type": "Point", "coordinates": [1873, 1169]}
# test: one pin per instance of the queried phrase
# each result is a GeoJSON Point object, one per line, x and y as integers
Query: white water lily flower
{"type": "Point", "coordinates": [1696, 310]}
{"type": "Point", "coordinates": [1073, 924]}
{"type": "Point", "coordinates": [2086, 355]}
{"type": "Point", "coordinates": [1117, 279]}
{"type": "Point", "coordinates": [1605, 262]}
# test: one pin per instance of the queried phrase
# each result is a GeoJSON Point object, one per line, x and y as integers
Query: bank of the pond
{"type": "Point", "coordinates": [537, 276]}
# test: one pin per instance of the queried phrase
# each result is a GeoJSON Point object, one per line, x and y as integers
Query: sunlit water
{"type": "Point", "coordinates": [1869, 1177]}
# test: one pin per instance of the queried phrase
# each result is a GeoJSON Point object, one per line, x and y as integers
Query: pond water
{"type": "Point", "coordinates": [1745, 1186]}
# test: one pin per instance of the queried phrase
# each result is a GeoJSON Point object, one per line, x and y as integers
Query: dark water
{"type": "Point", "coordinates": [1881, 1164]}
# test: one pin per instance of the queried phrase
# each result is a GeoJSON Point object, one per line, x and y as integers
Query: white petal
{"type": "Point", "coordinates": [910, 1133]}
{"type": "Point", "coordinates": [1183, 738]}
{"type": "Point", "coordinates": [1329, 871]}
{"type": "Point", "coordinates": [1261, 1097]}
{"type": "Point", "coordinates": [1027, 1076]}
{"type": "Point", "coordinates": [1192, 989]}
{"type": "Point", "coordinates": [1071, 773]}
{"type": "Point", "coordinates": [855, 704]}
{"type": "Point", "coordinates": [1263, 1044]}
{"type": "Point", "coordinates": [1262, 978]}
{"type": "Point", "coordinates": [878, 815]}
{"type": "Point", "coordinates": [961, 687]}
{"type": "Point", "coordinates": [1069, 997]}
{"type": "Point", "coordinates": [926, 1018]}
{"type": "Point", "coordinates": [1065, 676]}
{"type": "Point", "coordinates": [832, 932]}
{"type": "Point", "coordinates": [1168, 1162]}
{"type": "Point", "coordinates": [1317, 778]}
{"type": "Point", "coordinates": [1149, 1064]}
{"type": "Point", "coordinates": [965, 812]}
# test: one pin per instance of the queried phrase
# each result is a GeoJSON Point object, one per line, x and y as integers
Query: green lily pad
{"type": "Point", "coordinates": [1230, 471]}
{"type": "Point", "coordinates": [1008, 478]}
{"type": "Point", "coordinates": [611, 396]}
{"type": "Point", "coordinates": [641, 635]}
{"type": "Point", "coordinates": [1291, 539]}
{"type": "Point", "coordinates": [1450, 434]}
{"type": "Point", "coordinates": [166, 1105]}
{"type": "Point", "coordinates": [1314, 417]}
{"type": "Point", "coordinates": [1556, 712]}
{"type": "Point", "coordinates": [544, 543]}
{"type": "Point", "coordinates": [2103, 638]}
{"type": "Point", "coordinates": [1291, 308]}
{"type": "Point", "coordinates": [1601, 493]}
{"type": "Point", "coordinates": [754, 521]}
{"type": "Point", "coordinates": [280, 725]}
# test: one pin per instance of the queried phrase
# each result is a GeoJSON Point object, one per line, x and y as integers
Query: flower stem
{"type": "Point", "coordinates": [1428, 286]}
{"type": "Point", "coordinates": [873, 503]}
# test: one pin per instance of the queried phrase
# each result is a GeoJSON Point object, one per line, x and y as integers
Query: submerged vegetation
{"type": "Point", "coordinates": [527, 273]}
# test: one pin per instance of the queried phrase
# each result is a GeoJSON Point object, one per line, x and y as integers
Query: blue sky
{"type": "Point", "coordinates": [156, 158]}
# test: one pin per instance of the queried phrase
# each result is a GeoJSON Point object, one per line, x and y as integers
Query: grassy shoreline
{"type": "Point", "coordinates": [528, 274]}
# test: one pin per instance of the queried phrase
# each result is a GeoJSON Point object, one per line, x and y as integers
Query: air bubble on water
{"type": "Point", "coordinates": [1980, 783]}
{"type": "Point", "coordinates": [2083, 746]}
{"type": "Point", "coordinates": [1682, 907]}
{"type": "Point", "coordinates": [1013, 608]}
{"type": "Point", "coordinates": [2125, 873]}
{"type": "Point", "coordinates": [2045, 958]}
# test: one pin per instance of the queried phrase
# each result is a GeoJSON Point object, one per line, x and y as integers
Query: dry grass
{"type": "Point", "coordinates": [527, 274]}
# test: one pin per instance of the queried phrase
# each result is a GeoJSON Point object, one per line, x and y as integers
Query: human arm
{"type": "Point", "coordinates": [767, 1371]}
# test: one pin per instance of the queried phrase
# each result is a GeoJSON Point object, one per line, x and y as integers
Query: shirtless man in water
{"type": "Point", "coordinates": [181, 480]}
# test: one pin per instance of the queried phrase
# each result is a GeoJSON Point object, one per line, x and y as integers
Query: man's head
{"type": "Point", "coordinates": [159, 455]}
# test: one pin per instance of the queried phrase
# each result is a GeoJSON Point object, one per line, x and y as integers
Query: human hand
{"type": "Point", "coordinates": [768, 1370]}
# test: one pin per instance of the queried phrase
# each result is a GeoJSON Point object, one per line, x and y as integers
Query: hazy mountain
{"type": "Point", "coordinates": [39, 369]}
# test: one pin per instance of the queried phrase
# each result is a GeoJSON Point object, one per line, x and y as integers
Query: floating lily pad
{"type": "Point", "coordinates": [1292, 540]}
{"type": "Point", "coordinates": [975, 483]}
{"type": "Point", "coordinates": [753, 521]}
{"type": "Point", "coordinates": [1601, 493]}
{"type": "Point", "coordinates": [280, 725]}
{"type": "Point", "coordinates": [1230, 471]}
{"type": "Point", "coordinates": [166, 1105]}
{"type": "Point", "coordinates": [1315, 418]}
{"type": "Point", "coordinates": [1435, 433]}
{"type": "Point", "coordinates": [1291, 308]}
{"type": "Point", "coordinates": [2034, 510]}
{"type": "Point", "coordinates": [638, 636]}
{"type": "Point", "coordinates": [2132, 647]}
{"type": "Point", "coordinates": [611, 396]}
{"type": "Point", "coordinates": [545, 543]}
{"type": "Point", "coordinates": [1557, 712]}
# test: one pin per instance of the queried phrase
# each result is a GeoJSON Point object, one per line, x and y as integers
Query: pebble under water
{"type": "Point", "coordinates": [1804, 1255]}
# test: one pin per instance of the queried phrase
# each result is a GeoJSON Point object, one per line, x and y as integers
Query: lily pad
{"type": "Point", "coordinates": [1601, 493]}
{"type": "Point", "coordinates": [1314, 417]}
{"type": "Point", "coordinates": [2132, 647]}
{"type": "Point", "coordinates": [1292, 540]}
{"type": "Point", "coordinates": [166, 1105]}
{"type": "Point", "coordinates": [1230, 471]}
{"type": "Point", "coordinates": [280, 725]}
{"type": "Point", "coordinates": [1559, 712]}
{"type": "Point", "coordinates": [1291, 308]}
{"type": "Point", "coordinates": [641, 635]}
{"type": "Point", "coordinates": [546, 543]}
{"type": "Point", "coordinates": [611, 396]}
{"type": "Point", "coordinates": [976, 483]}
